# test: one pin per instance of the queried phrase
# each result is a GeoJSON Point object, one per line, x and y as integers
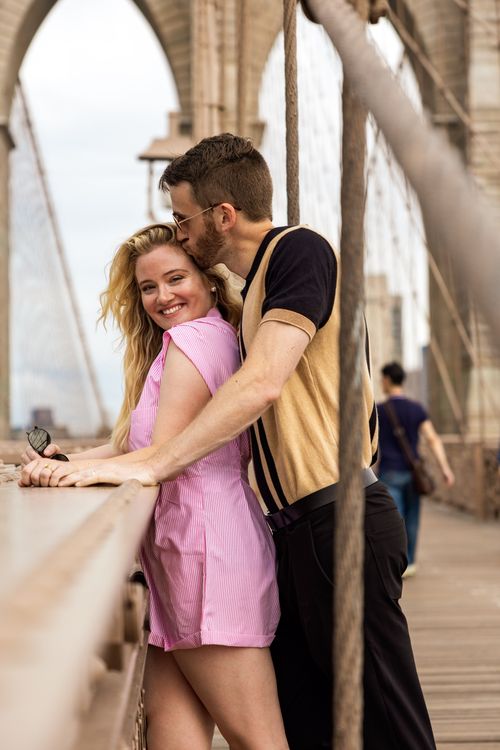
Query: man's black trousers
{"type": "Point", "coordinates": [395, 715]}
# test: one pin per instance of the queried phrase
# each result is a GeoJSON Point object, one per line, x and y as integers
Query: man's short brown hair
{"type": "Point", "coordinates": [225, 169]}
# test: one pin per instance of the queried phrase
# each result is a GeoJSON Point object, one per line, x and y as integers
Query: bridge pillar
{"type": "Point", "coordinates": [440, 31]}
{"type": "Point", "coordinates": [483, 403]}
{"type": "Point", "coordinates": [6, 144]}
{"type": "Point", "coordinates": [463, 50]}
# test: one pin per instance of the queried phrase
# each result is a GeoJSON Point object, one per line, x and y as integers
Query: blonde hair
{"type": "Point", "coordinates": [140, 334]}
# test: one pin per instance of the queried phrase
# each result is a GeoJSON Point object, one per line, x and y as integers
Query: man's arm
{"type": "Point", "coordinates": [271, 359]}
{"type": "Point", "coordinates": [183, 394]}
{"type": "Point", "coordinates": [428, 432]}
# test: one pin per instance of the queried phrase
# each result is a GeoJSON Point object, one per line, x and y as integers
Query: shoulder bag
{"type": "Point", "coordinates": [422, 480]}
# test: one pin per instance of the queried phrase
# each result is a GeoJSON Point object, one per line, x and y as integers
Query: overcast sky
{"type": "Point", "coordinates": [99, 88]}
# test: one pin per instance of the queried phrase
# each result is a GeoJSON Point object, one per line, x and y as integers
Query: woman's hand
{"type": "Point", "coordinates": [46, 473]}
{"type": "Point", "coordinates": [30, 453]}
{"type": "Point", "coordinates": [41, 472]}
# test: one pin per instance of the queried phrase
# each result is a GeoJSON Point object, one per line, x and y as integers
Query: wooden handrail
{"type": "Point", "coordinates": [64, 556]}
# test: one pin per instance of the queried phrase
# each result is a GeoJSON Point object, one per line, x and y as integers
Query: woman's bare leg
{"type": "Point", "coordinates": [238, 688]}
{"type": "Point", "coordinates": [176, 718]}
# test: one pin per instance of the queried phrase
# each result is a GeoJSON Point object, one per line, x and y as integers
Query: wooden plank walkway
{"type": "Point", "coordinates": [453, 610]}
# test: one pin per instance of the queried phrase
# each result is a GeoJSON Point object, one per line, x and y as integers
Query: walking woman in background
{"type": "Point", "coordinates": [208, 555]}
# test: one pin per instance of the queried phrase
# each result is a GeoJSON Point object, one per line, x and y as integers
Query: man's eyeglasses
{"type": "Point", "coordinates": [179, 222]}
{"type": "Point", "coordinates": [39, 439]}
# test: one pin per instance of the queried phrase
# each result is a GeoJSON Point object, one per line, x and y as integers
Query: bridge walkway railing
{"type": "Point", "coordinates": [71, 639]}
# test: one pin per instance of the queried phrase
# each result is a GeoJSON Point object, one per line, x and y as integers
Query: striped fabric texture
{"type": "Point", "coordinates": [208, 555]}
{"type": "Point", "coordinates": [295, 443]}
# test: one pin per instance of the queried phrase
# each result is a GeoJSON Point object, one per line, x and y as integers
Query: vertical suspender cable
{"type": "Point", "coordinates": [199, 64]}
{"type": "Point", "coordinates": [212, 75]}
{"type": "Point", "coordinates": [452, 208]}
{"type": "Point", "coordinates": [243, 38]}
{"type": "Point", "coordinates": [292, 111]}
{"type": "Point", "coordinates": [348, 643]}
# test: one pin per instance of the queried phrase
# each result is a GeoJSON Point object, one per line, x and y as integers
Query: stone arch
{"type": "Point", "coordinates": [21, 19]}
{"type": "Point", "coordinates": [19, 22]}
{"type": "Point", "coordinates": [438, 25]}
{"type": "Point", "coordinates": [264, 25]}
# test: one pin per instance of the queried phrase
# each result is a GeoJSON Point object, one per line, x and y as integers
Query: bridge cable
{"type": "Point", "coordinates": [64, 264]}
{"type": "Point", "coordinates": [376, 324]}
{"type": "Point", "coordinates": [243, 43]}
{"type": "Point", "coordinates": [473, 352]}
{"type": "Point", "coordinates": [434, 345]}
{"type": "Point", "coordinates": [440, 282]}
{"type": "Point", "coordinates": [446, 92]}
{"type": "Point", "coordinates": [433, 266]}
{"type": "Point", "coordinates": [488, 26]}
{"type": "Point", "coordinates": [451, 205]}
{"type": "Point", "coordinates": [447, 298]}
{"type": "Point", "coordinates": [348, 640]}
{"type": "Point", "coordinates": [292, 111]}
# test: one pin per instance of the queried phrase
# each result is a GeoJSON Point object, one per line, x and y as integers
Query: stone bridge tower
{"type": "Point", "coordinates": [462, 44]}
{"type": "Point", "coordinates": [201, 41]}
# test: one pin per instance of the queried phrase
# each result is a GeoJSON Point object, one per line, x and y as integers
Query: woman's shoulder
{"type": "Point", "coordinates": [210, 329]}
{"type": "Point", "coordinates": [211, 345]}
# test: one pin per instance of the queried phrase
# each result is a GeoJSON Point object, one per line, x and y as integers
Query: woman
{"type": "Point", "coordinates": [208, 556]}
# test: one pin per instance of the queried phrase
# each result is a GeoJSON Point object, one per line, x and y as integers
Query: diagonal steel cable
{"type": "Point", "coordinates": [448, 95]}
{"type": "Point", "coordinates": [94, 383]}
{"type": "Point", "coordinates": [445, 293]}
{"type": "Point", "coordinates": [459, 216]}
{"type": "Point", "coordinates": [488, 26]}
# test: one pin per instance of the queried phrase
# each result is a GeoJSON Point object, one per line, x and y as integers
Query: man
{"type": "Point", "coordinates": [287, 391]}
{"type": "Point", "coordinates": [395, 471]}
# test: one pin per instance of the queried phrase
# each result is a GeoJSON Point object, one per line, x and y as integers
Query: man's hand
{"type": "Point", "coordinates": [428, 432]}
{"type": "Point", "coordinates": [108, 472]}
{"type": "Point", "coordinates": [449, 477]}
{"type": "Point", "coordinates": [42, 473]}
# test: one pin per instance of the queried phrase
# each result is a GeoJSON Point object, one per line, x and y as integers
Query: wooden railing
{"type": "Point", "coordinates": [71, 636]}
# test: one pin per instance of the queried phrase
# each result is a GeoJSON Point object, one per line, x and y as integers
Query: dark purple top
{"type": "Point", "coordinates": [411, 414]}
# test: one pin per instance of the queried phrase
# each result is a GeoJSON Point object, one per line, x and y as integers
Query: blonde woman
{"type": "Point", "coordinates": [208, 555]}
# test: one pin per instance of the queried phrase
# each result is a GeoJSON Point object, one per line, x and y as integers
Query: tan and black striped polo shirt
{"type": "Point", "coordinates": [294, 279]}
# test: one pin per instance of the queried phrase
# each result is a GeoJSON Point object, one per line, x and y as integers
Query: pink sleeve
{"type": "Point", "coordinates": [210, 345]}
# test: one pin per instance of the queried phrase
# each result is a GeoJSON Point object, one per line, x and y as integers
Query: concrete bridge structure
{"type": "Point", "coordinates": [454, 48]}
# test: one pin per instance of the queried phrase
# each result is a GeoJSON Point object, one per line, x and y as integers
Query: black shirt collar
{"type": "Point", "coordinates": [258, 257]}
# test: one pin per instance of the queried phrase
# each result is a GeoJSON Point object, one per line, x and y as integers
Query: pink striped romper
{"type": "Point", "coordinates": [208, 555]}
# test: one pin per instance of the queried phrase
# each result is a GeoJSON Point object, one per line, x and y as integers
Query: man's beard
{"type": "Point", "coordinates": [208, 246]}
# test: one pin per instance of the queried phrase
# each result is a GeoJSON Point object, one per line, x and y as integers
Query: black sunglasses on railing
{"type": "Point", "coordinates": [39, 439]}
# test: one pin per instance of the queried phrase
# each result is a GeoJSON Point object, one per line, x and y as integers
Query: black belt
{"type": "Point", "coordinates": [315, 500]}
